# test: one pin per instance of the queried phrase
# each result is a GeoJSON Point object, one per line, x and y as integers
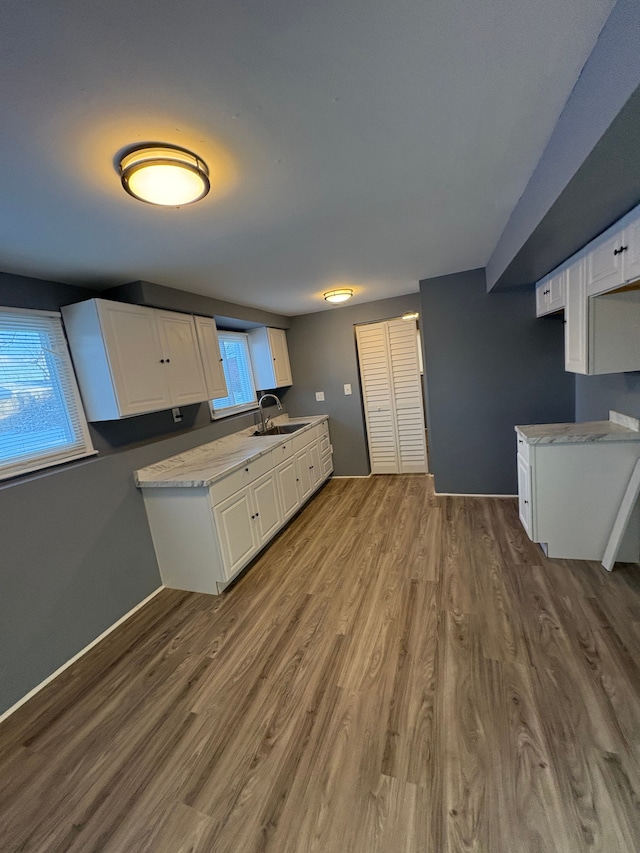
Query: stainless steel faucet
{"type": "Point", "coordinates": [260, 401]}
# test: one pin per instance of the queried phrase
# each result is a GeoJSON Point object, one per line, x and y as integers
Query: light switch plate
{"type": "Point", "coordinates": [319, 396]}
{"type": "Point", "coordinates": [347, 389]}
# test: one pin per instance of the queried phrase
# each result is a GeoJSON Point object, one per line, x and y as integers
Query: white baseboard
{"type": "Point", "coordinates": [351, 476]}
{"type": "Point", "coordinates": [468, 495]}
{"type": "Point", "coordinates": [76, 657]}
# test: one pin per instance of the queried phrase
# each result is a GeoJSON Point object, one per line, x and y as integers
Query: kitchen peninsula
{"type": "Point", "coordinates": [571, 481]}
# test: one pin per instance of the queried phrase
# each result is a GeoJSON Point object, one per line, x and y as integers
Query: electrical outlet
{"type": "Point", "coordinates": [347, 389]}
{"type": "Point", "coordinates": [177, 415]}
{"type": "Point", "coordinates": [319, 396]}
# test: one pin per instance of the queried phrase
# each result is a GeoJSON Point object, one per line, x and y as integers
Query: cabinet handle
{"type": "Point", "coordinates": [252, 517]}
{"type": "Point", "coordinates": [257, 514]}
{"type": "Point", "coordinates": [519, 441]}
{"type": "Point", "coordinates": [168, 360]}
{"type": "Point", "coordinates": [247, 470]}
{"type": "Point", "coordinates": [162, 361]}
{"type": "Point", "coordinates": [620, 250]}
{"type": "Point", "coordinates": [526, 502]}
{"type": "Point", "coordinates": [545, 292]}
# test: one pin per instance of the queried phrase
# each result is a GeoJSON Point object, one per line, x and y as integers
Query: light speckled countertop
{"type": "Point", "coordinates": [201, 466]}
{"type": "Point", "coordinates": [618, 428]}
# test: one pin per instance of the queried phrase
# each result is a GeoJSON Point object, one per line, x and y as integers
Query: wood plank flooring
{"type": "Point", "coordinates": [397, 673]}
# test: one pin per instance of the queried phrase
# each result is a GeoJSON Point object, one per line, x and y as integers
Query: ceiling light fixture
{"type": "Point", "coordinates": [410, 315]}
{"type": "Point", "coordinates": [166, 175]}
{"type": "Point", "coordinates": [340, 295]}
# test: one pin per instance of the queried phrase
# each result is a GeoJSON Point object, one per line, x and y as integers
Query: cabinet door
{"type": "Point", "coordinates": [287, 487]}
{"type": "Point", "coordinates": [524, 495]}
{"type": "Point", "coordinates": [267, 516]}
{"type": "Point", "coordinates": [181, 358]}
{"type": "Point", "coordinates": [207, 334]}
{"type": "Point", "coordinates": [576, 317]}
{"type": "Point", "coordinates": [631, 262]}
{"type": "Point", "coordinates": [315, 465]}
{"type": "Point", "coordinates": [542, 297]}
{"type": "Point", "coordinates": [134, 351]}
{"type": "Point", "coordinates": [604, 265]}
{"type": "Point", "coordinates": [556, 287]}
{"type": "Point", "coordinates": [303, 474]}
{"type": "Point", "coordinates": [234, 519]}
{"type": "Point", "coordinates": [280, 356]}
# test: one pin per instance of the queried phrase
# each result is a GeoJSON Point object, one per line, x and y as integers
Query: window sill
{"type": "Point", "coordinates": [236, 410]}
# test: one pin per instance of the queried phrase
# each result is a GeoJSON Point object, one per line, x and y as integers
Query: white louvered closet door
{"type": "Point", "coordinates": [391, 389]}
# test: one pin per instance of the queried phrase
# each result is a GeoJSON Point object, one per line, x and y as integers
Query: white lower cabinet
{"type": "Point", "coordinates": [203, 536]}
{"type": "Point", "coordinates": [288, 487]}
{"type": "Point", "coordinates": [524, 495]}
{"type": "Point", "coordinates": [246, 521]}
{"type": "Point", "coordinates": [315, 468]}
{"type": "Point", "coordinates": [303, 474]}
{"type": "Point", "coordinates": [569, 494]}
{"type": "Point", "coordinates": [266, 506]}
{"type": "Point", "coordinates": [236, 531]}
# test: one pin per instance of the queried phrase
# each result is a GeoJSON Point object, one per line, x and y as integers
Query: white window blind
{"type": "Point", "coordinates": [236, 362]}
{"type": "Point", "coordinates": [41, 418]}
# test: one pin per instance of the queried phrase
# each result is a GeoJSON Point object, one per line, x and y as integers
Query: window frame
{"type": "Point", "coordinates": [69, 396]}
{"type": "Point", "coordinates": [227, 411]}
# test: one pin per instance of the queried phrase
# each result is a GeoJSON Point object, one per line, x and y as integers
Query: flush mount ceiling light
{"type": "Point", "coordinates": [340, 295]}
{"type": "Point", "coordinates": [164, 174]}
{"type": "Point", "coordinates": [410, 315]}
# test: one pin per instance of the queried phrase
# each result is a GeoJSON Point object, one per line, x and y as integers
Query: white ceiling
{"type": "Point", "coordinates": [367, 143]}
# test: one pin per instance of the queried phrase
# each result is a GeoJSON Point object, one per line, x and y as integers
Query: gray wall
{"type": "Point", "coordinates": [323, 353]}
{"type": "Point", "coordinates": [76, 552]}
{"type": "Point", "coordinates": [596, 395]}
{"type": "Point", "coordinates": [608, 80]}
{"type": "Point", "coordinates": [489, 364]}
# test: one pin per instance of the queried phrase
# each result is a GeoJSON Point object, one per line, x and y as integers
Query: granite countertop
{"type": "Point", "coordinates": [201, 466]}
{"type": "Point", "coordinates": [619, 427]}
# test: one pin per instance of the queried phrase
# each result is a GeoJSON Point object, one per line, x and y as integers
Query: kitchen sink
{"type": "Point", "coordinates": [282, 429]}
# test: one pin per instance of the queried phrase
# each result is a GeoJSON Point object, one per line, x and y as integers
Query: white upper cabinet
{"type": "Point", "coordinates": [576, 314]}
{"type": "Point", "coordinates": [182, 362]}
{"type": "Point", "coordinates": [604, 265]}
{"type": "Point", "coordinates": [211, 358]}
{"type": "Point", "coordinates": [270, 358]}
{"type": "Point", "coordinates": [601, 332]}
{"type": "Point", "coordinates": [601, 286]}
{"type": "Point", "coordinates": [130, 359]}
{"type": "Point", "coordinates": [550, 294]}
{"type": "Point", "coordinates": [631, 258]}
{"type": "Point", "coordinates": [614, 258]}
{"type": "Point", "coordinates": [106, 339]}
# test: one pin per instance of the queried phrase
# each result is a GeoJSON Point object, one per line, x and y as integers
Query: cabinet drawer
{"type": "Point", "coordinates": [282, 452]}
{"type": "Point", "coordinates": [226, 486]}
{"type": "Point", "coordinates": [523, 447]}
{"type": "Point", "coordinates": [303, 438]}
{"type": "Point", "coordinates": [325, 444]}
{"type": "Point", "coordinates": [327, 465]}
